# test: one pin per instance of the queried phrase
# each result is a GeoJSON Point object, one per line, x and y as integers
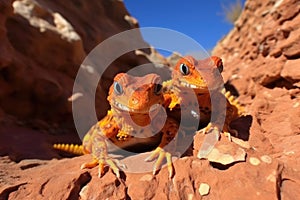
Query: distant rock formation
{"type": "Point", "coordinates": [42, 46]}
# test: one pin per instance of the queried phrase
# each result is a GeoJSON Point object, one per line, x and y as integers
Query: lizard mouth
{"type": "Point", "coordinates": [127, 109]}
{"type": "Point", "coordinates": [122, 107]}
{"type": "Point", "coordinates": [185, 84]}
{"type": "Point", "coordinates": [188, 85]}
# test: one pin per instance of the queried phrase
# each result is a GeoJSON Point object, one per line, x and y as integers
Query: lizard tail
{"type": "Point", "coordinates": [70, 148]}
{"type": "Point", "coordinates": [233, 101]}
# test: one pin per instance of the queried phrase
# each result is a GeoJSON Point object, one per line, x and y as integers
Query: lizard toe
{"type": "Point", "coordinates": [161, 154]}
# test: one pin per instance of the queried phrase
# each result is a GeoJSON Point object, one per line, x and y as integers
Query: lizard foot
{"type": "Point", "coordinates": [160, 154]}
{"type": "Point", "coordinates": [228, 135]}
{"type": "Point", "coordinates": [210, 128]}
{"type": "Point", "coordinates": [102, 162]}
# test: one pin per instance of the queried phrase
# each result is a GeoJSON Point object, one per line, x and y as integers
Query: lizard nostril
{"type": "Point", "coordinates": [134, 101]}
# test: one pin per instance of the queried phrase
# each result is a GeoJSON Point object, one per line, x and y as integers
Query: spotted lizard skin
{"type": "Point", "coordinates": [193, 83]}
{"type": "Point", "coordinates": [135, 117]}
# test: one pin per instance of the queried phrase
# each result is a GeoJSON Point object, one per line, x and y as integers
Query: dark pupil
{"type": "Point", "coordinates": [157, 88]}
{"type": "Point", "coordinates": [220, 67]}
{"type": "Point", "coordinates": [118, 88]}
{"type": "Point", "coordinates": [184, 69]}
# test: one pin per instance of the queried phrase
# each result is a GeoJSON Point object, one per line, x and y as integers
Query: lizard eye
{"type": "Point", "coordinates": [157, 88]}
{"type": "Point", "coordinates": [184, 69]}
{"type": "Point", "coordinates": [118, 88]}
{"type": "Point", "coordinates": [220, 66]}
{"type": "Point", "coordinates": [218, 62]}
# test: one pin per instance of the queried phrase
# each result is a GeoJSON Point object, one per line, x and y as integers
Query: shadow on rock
{"type": "Point", "coordinates": [242, 126]}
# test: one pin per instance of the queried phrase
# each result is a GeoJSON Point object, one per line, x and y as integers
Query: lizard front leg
{"type": "Point", "coordinates": [171, 95]}
{"type": "Point", "coordinates": [218, 129]}
{"type": "Point", "coordinates": [223, 115]}
{"type": "Point", "coordinates": [169, 132]}
{"type": "Point", "coordinates": [95, 143]}
{"type": "Point", "coordinates": [101, 157]}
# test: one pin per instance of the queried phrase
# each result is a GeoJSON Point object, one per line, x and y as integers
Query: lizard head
{"type": "Point", "coordinates": [136, 94]}
{"type": "Point", "coordinates": [199, 75]}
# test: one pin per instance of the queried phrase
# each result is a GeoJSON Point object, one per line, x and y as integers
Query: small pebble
{"type": "Point", "coordinates": [272, 178]}
{"type": "Point", "coordinates": [266, 159]}
{"type": "Point", "coordinates": [83, 194]}
{"type": "Point", "coordinates": [204, 189]}
{"type": "Point", "coordinates": [288, 153]}
{"type": "Point", "coordinates": [190, 197]}
{"type": "Point", "coordinates": [254, 161]}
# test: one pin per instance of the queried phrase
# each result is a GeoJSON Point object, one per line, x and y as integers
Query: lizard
{"type": "Point", "coordinates": [201, 79]}
{"type": "Point", "coordinates": [135, 117]}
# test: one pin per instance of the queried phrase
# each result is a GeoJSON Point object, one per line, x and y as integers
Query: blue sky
{"type": "Point", "coordinates": [203, 21]}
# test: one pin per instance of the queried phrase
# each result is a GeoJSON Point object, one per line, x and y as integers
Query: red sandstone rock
{"type": "Point", "coordinates": [260, 58]}
{"type": "Point", "coordinates": [266, 55]}
{"type": "Point", "coordinates": [291, 70]}
{"type": "Point", "coordinates": [42, 46]}
{"type": "Point", "coordinates": [35, 179]}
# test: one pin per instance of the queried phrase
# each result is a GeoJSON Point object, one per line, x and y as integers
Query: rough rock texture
{"type": "Point", "coordinates": [261, 58]}
{"type": "Point", "coordinates": [36, 179]}
{"type": "Point", "coordinates": [262, 61]}
{"type": "Point", "coordinates": [42, 46]}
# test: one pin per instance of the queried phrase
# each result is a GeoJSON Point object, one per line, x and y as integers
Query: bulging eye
{"type": "Point", "coordinates": [118, 88]}
{"type": "Point", "coordinates": [184, 69]}
{"type": "Point", "coordinates": [218, 62]}
{"type": "Point", "coordinates": [220, 66]}
{"type": "Point", "coordinates": [157, 89]}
